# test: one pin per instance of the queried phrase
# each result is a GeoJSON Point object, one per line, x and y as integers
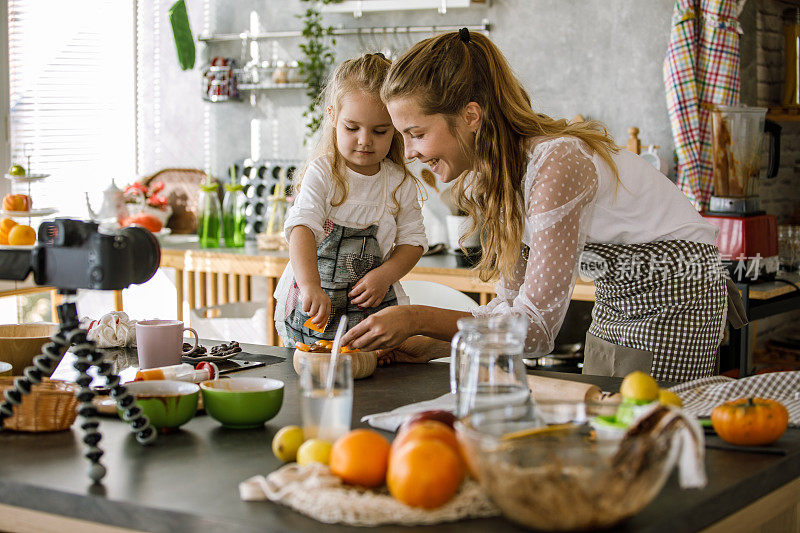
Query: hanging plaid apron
{"type": "Point", "coordinates": [344, 256]}
{"type": "Point", "coordinates": [701, 69]}
{"type": "Point", "coordinates": [659, 307]}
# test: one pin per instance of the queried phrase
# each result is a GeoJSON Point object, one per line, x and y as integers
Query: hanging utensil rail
{"type": "Point", "coordinates": [484, 27]}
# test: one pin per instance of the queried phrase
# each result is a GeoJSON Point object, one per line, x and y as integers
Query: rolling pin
{"type": "Point", "coordinates": [561, 389]}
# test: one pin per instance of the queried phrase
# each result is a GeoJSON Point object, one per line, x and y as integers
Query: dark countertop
{"type": "Point", "coordinates": [188, 481]}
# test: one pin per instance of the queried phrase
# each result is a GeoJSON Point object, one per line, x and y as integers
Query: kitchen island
{"type": "Point", "coordinates": [188, 480]}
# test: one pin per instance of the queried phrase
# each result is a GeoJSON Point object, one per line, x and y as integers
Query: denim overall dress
{"type": "Point", "coordinates": [344, 256]}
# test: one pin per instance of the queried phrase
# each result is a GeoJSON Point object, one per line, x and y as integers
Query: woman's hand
{"type": "Point", "coordinates": [385, 329]}
{"type": "Point", "coordinates": [316, 304]}
{"type": "Point", "coordinates": [416, 349]}
{"type": "Point", "coordinates": [370, 290]}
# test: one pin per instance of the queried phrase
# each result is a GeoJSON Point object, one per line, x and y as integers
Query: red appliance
{"type": "Point", "coordinates": [753, 239]}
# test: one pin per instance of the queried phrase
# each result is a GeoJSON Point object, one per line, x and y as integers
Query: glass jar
{"type": "Point", "coordinates": [275, 214]}
{"type": "Point", "coordinates": [233, 216]}
{"type": "Point", "coordinates": [208, 216]}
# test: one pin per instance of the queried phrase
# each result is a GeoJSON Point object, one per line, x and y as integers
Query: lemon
{"type": "Point", "coordinates": [286, 442]}
{"type": "Point", "coordinates": [314, 451]}
{"type": "Point", "coordinates": [640, 387]}
{"type": "Point", "coordinates": [666, 397]}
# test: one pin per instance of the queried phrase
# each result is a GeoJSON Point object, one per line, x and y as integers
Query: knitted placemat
{"type": "Point", "coordinates": [313, 491]}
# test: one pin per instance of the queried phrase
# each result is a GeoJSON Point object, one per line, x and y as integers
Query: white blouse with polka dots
{"type": "Point", "coordinates": [571, 197]}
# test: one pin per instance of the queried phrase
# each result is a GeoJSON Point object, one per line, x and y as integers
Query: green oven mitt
{"type": "Point", "coordinates": [184, 42]}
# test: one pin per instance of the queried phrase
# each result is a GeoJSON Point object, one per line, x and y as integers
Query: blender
{"type": "Point", "coordinates": [748, 237]}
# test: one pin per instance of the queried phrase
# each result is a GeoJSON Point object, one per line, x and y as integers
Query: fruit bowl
{"type": "Point", "coordinates": [546, 469]}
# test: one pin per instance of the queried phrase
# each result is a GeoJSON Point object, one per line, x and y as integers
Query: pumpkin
{"type": "Point", "coordinates": [362, 364]}
{"type": "Point", "coordinates": [750, 421]}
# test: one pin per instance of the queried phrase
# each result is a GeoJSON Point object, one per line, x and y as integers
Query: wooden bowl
{"type": "Point", "coordinates": [362, 363]}
{"type": "Point", "coordinates": [20, 343]}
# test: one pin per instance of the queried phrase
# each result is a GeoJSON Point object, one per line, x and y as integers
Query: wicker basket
{"type": "Point", "coordinates": [51, 406]}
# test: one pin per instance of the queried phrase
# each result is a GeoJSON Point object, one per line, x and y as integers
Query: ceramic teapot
{"type": "Point", "coordinates": [113, 204]}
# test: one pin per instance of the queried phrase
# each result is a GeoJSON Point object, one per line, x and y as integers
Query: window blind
{"type": "Point", "coordinates": [72, 97]}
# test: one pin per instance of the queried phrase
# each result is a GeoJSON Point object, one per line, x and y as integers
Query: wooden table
{"type": "Point", "coordinates": [222, 275]}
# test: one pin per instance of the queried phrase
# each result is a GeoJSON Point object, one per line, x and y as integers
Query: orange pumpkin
{"type": "Point", "coordinates": [750, 421]}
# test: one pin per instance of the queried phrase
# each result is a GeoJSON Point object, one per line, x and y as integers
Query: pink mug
{"type": "Point", "coordinates": [160, 342]}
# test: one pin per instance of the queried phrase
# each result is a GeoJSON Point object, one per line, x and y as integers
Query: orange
{"type": "Point", "coordinates": [360, 458]}
{"type": "Point", "coordinates": [312, 326]}
{"type": "Point", "coordinates": [424, 473]}
{"type": "Point", "coordinates": [21, 235]}
{"type": "Point", "coordinates": [427, 429]}
{"type": "Point", "coordinates": [6, 224]}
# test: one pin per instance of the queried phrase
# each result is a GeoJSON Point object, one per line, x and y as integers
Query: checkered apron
{"type": "Point", "coordinates": [701, 69]}
{"type": "Point", "coordinates": [668, 298]}
{"type": "Point", "coordinates": [344, 256]}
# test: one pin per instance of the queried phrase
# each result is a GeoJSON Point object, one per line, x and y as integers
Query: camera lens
{"type": "Point", "coordinates": [145, 248]}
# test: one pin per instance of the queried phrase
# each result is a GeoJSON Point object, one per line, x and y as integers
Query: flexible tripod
{"type": "Point", "coordinates": [86, 355]}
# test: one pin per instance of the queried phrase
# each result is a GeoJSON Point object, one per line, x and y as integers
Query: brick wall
{"type": "Point", "coordinates": [779, 196]}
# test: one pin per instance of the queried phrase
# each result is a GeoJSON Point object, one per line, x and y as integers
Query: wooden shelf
{"type": "Point", "coordinates": [784, 113]}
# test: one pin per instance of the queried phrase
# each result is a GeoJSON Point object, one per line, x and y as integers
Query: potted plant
{"type": "Point", "coordinates": [317, 57]}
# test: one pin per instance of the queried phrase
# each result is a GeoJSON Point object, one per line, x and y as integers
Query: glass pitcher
{"type": "Point", "coordinates": [486, 367]}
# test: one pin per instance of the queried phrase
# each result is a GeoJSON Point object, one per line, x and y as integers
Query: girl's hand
{"type": "Point", "coordinates": [369, 290]}
{"type": "Point", "coordinates": [385, 329]}
{"type": "Point", "coordinates": [316, 304]}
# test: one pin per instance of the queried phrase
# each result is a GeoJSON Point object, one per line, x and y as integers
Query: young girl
{"type": "Point", "coordinates": [553, 196]}
{"type": "Point", "coordinates": [356, 226]}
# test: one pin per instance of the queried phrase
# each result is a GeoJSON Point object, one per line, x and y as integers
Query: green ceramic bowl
{"type": "Point", "coordinates": [168, 404]}
{"type": "Point", "coordinates": [242, 402]}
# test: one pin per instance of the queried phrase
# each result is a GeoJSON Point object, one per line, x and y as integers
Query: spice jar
{"type": "Point", "coordinates": [233, 216]}
{"type": "Point", "coordinates": [281, 74]}
{"type": "Point", "coordinates": [208, 216]}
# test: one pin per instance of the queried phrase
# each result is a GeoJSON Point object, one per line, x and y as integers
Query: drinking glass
{"type": "Point", "coordinates": [326, 414]}
{"type": "Point", "coordinates": [486, 367]}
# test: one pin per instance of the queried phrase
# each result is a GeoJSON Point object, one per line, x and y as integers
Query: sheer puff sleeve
{"type": "Point", "coordinates": [560, 187]}
{"type": "Point", "coordinates": [312, 204]}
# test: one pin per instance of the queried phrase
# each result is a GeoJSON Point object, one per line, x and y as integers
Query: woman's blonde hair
{"type": "Point", "coordinates": [445, 73]}
{"type": "Point", "coordinates": [365, 74]}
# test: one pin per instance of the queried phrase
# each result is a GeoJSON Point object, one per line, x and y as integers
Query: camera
{"type": "Point", "coordinates": [72, 254]}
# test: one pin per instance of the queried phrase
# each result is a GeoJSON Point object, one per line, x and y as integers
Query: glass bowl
{"type": "Point", "coordinates": [546, 468]}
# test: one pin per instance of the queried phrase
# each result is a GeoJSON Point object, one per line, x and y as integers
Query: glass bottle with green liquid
{"type": "Point", "coordinates": [233, 216]}
{"type": "Point", "coordinates": [209, 216]}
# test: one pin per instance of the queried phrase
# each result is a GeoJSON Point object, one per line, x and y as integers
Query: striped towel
{"type": "Point", "coordinates": [701, 69]}
{"type": "Point", "coordinates": [702, 395]}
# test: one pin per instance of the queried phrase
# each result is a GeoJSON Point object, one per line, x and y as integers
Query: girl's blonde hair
{"type": "Point", "coordinates": [445, 73]}
{"type": "Point", "coordinates": [366, 74]}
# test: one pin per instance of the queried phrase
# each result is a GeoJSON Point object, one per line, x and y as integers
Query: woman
{"type": "Point", "coordinates": [549, 194]}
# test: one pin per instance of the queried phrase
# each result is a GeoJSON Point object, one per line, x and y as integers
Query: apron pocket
{"type": "Point", "coordinates": [602, 358]}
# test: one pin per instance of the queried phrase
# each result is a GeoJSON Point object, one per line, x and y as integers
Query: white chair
{"type": "Point", "coordinates": [437, 295]}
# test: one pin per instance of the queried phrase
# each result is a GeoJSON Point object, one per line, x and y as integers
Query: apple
{"type": "Point", "coordinates": [439, 415]}
{"type": "Point", "coordinates": [16, 170]}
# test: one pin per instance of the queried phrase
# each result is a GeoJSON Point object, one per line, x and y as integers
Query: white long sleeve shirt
{"type": "Point", "coordinates": [572, 197]}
